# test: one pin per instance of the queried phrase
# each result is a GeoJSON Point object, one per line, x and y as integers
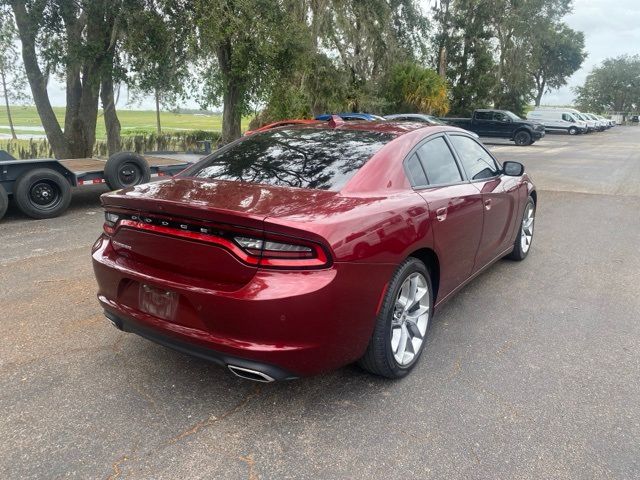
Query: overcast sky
{"type": "Point", "coordinates": [611, 28]}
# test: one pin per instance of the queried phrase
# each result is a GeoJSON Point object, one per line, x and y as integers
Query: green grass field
{"type": "Point", "coordinates": [132, 121]}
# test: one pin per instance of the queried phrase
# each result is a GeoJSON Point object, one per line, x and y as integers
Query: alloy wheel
{"type": "Point", "coordinates": [410, 319]}
{"type": "Point", "coordinates": [526, 235]}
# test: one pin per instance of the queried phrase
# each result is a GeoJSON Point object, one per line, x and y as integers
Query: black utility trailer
{"type": "Point", "coordinates": [41, 188]}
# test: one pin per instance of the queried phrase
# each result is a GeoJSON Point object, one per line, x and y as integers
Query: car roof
{"type": "Point", "coordinates": [409, 115]}
{"type": "Point", "coordinates": [390, 127]}
{"type": "Point", "coordinates": [363, 116]}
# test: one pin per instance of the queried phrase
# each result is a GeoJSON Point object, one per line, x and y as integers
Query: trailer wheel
{"type": "Point", "coordinates": [42, 193]}
{"type": "Point", "coordinates": [126, 169]}
{"type": "Point", "coordinates": [4, 201]}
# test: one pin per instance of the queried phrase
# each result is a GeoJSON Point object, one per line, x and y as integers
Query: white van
{"type": "Point", "coordinates": [558, 120]}
{"type": "Point", "coordinates": [591, 124]}
{"type": "Point", "coordinates": [602, 125]}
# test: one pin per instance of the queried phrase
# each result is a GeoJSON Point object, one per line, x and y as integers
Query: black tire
{"type": "Point", "coordinates": [126, 169]}
{"type": "Point", "coordinates": [4, 201]}
{"type": "Point", "coordinates": [379, 358]}
{"type": "Point", "coordinates": [518, 253]}
{"type": "Point", "coordinates": [42, 193]}
{"type": "Point", "coordinates": [573, 131]}
{"type": "Point", "coordinates": [522, 138]}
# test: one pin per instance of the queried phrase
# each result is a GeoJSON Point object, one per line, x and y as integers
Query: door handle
{"type": "Point", "coordinates": [441, 214]}
{"type": "Point", "coordinates": [487, 204]}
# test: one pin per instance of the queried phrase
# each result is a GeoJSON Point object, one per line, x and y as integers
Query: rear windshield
{"type": "Point", "coordinates": [308, 158]}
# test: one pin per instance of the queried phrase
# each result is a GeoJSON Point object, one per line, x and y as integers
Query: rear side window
{"type": "Point", "coordinates": [308, 158]}
{"type": "Point", "coordinates": [475, 160]}
{"type": "Point", "coordinates": [415, 171]}
{"type": "Point", "coordinates": [484, 115]}
{"type": "Point", "coordinates": [439, 164]}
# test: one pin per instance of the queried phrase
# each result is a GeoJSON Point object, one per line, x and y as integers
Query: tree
{"type": "Point", "coordinates": [234, 39]}
{"type": "Point", "coordinates": [466, 41]}
{"type": "Point", "coordinates": [157, 49]}
{"type": "Point", "coordinates": [370, 37]}
{"type": "Point", "coordinates": [613, 86]}
{"type": "Point", "coordinates": [516, 25]}
{"type": "Point", "coordinates": [558, 54]}
{"type": "Point", "coordinates": [411, 88]}
{"type": "Point", "coordinates": [12, 77]}
{"type": "Point", "coordinates": [344, 50]}
{"type": "Point", "coordinates": [73, 39]}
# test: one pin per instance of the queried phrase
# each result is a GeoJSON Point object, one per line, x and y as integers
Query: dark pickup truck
{"type": "Point", "coordinates": [500, 124]}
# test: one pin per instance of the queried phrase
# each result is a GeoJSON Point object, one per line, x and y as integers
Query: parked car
{"type": "Point", "coordinates": [415, 117]}
{"type": "Point", "coordinates": [558, 121]}
{"type": "Point", "coordinates": [304, 248]}
{"type": "Point", "coordinates": [500, 124]}
{"type": "Point", "coordinates": [349, 117]}
{"type": "Point", "coordinates": [601, 126]}
{"type": "Point", "coordinates": [592, 126]}
{"type": "Point", "coordinates": [419, 117]}
{"type": "Point", "coordinates": [609, 121]}
{"type": "Point", "coordinates": [591, 123]}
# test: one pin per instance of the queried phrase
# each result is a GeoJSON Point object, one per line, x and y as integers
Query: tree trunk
{"type": "Point", "coordinates": [231, 116]}
{"type": "Point", "coordinates": [6, 101]}
{"type": "Point", "coordinates": [442, 62]}
{"type": "Point", "coordinates": [541, 86]}
{"type": "Point", "coordinates": [83, 77]}
{"type": "Point", "coordinates": [38, 82]}
{"type": "Point", "coordinates": [158, 126]}
{"type": "Point", "coordinates": [111, 121]}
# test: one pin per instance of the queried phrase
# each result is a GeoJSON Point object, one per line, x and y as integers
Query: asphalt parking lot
{"type": "Point", "coordinates": [532, 371]}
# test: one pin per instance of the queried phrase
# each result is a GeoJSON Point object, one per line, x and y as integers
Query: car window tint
{"type": "Point", "coordinates": [499, 117]}
{"type": "Point", "coordinates": [475, 160]}
{"type": "Point", "coordinates": [484, 115]}
{"type": "Point", "coordinates": [305, 157]}
{"type": "Point", "coordinates": [415, 171]}
{"type": "Point", "coordinates": [438, 162]}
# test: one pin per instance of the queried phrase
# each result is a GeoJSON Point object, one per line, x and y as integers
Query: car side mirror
{"type": "Point", "coordinates": [513, 169]}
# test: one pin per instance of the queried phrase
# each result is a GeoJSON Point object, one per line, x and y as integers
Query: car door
{"type": "Point", "coordinates": [499, 197]}
{"type": "Point", "coordinates": [502, 125]}
{"type": "Point", "coordinates": [455, 209]}
{"type": "Point", "coordinates": [484, 124]}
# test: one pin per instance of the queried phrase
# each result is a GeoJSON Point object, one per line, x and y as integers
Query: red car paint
{"type": "Point", "coordinates": [297, 318]}
{"type": "Point", "coordinates": [283, 123]}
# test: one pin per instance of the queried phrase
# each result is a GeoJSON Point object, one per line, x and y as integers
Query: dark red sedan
{"type": "Point", "coordinates": [303, 248]}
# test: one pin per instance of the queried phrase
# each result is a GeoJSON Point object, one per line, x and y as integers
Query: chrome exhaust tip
{"type": "Point", "coordinates": [249, 374]}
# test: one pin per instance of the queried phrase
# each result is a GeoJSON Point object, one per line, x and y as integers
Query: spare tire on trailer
{"type": "Point", "coordinates": [42, 193]}
{"type": "Point", "coordinates": [4, 201]}
{"type": "Point", "coordinates": [126, 169]}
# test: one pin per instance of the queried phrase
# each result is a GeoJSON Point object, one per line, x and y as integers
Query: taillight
{"type": "Point", "coordinates": [110, 221]}
{"type": "Point", "coordinates": [273, 253]}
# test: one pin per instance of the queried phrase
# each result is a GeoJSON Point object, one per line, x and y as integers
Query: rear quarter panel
{"type": "Point", "coordinates": [376, 230]}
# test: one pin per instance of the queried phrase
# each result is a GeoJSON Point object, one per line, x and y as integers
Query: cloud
{"type": "Point", "coordinates": [611, 29]}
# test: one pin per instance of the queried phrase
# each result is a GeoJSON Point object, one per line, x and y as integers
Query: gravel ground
{"type": "Point", "coordinates": [532, 371]}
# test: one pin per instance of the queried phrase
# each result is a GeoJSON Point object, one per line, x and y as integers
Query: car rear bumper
{"type": "Point", "coordinates": [285, 323]}
{"type": "Point", "coordinates": [270, 372]}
